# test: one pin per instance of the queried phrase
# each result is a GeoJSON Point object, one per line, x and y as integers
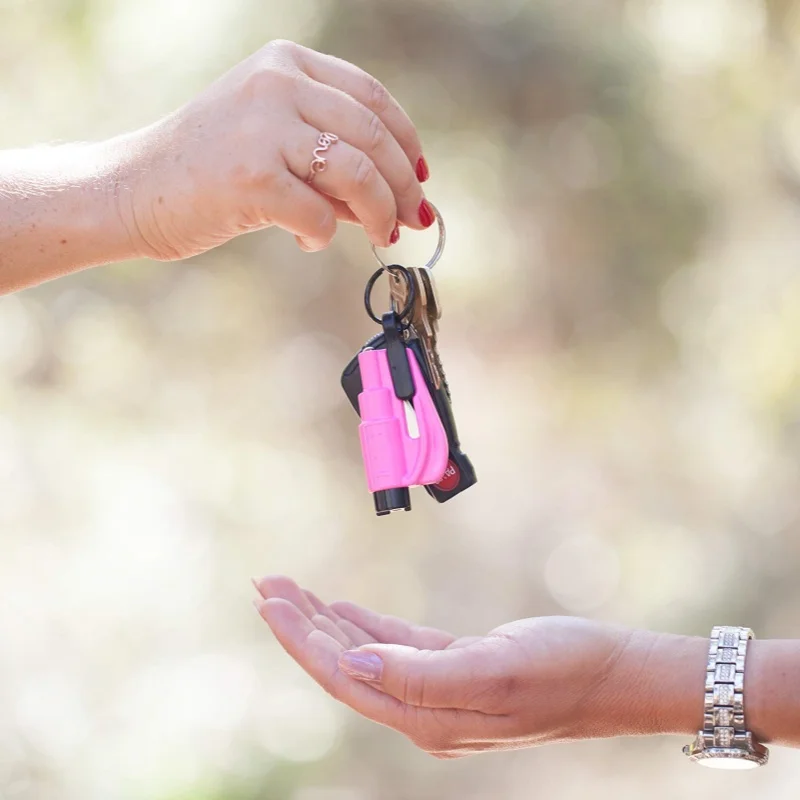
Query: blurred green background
{"type": "Point", "coordinates": [621, 184]}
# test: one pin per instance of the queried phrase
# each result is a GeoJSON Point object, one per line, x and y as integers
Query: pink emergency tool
{"type": "Point", "coordinates": [403, 441]}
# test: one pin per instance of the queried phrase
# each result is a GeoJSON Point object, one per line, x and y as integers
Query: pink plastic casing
{"type": "Point", "coordinates": [392, 458]}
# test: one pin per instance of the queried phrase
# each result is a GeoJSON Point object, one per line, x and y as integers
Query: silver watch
{"type": "Point", "coordinates": [725, 742]}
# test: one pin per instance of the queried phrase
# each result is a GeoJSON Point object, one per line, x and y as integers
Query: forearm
{"type": "Point", "coordinates": [60, 211]}
{"type": "Point", "coordinates": [659, 683]}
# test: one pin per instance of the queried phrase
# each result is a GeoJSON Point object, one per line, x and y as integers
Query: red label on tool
{"type": "Point", "coordinates": [450, 479]}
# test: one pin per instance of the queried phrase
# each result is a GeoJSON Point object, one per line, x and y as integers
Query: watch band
{"type": "Point", "coordinates": [724, 740]}
{"type": "Point", "coordinates": [723, 722]}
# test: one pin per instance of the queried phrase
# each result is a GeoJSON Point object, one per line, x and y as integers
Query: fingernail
{"type": "Point", "coordinates": [423, 173]}
{"type": "Point", "coordinates": [361, 665]}
{"type": "Point", "coordinates": [257, 605]}
{"type": "Point", "coordinates": [393, 239]}
{"type": "Point", "coordinates": [426, 216]}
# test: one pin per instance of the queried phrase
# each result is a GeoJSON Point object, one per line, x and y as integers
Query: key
{"type": "Point", "coordinates": [399, 293]}
{"type": "Point", "coordinates": [398, 290]}
{"type": "Point", "coordinates": [421, 318]}
{"type": "Point", "coordinates": [425, 319]}
{"type": "Point", "coordinates": [423, 326]}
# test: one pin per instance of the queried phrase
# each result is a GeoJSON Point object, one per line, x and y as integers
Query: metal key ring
{"type": "Point", "coordinates": [412, 293]}
{"type": "Point", "coordinates": [439, 246]}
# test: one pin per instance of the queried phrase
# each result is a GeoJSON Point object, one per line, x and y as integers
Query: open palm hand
{"type": "Point", "coordinates": [528, 682]}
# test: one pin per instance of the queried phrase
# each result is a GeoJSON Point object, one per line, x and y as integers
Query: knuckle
{"type": "Point", "coordinates": [376, 131]}
{"type": "Point", "coordinates": [281, 47]}
{"type": "Point", "coordinates": [276, 66]}
{"type": "Point", "coordinates": [259, 178]}
{"type": "Point", "coordinates": [409, 185]}
{"type": "Point", "coordinates": [379, 98]}
{"type": "Point", "coordinates": [267, 79]}
{"type": "Point", "coordinates": [364, 173]}
{"type": "Point", "coordinates": [326, 223]}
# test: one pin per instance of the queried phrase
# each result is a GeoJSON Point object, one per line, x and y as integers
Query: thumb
{"type": "Point", "coordinates": [427, 678]}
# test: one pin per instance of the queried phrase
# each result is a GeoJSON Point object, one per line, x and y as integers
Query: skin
{"type": "Point", "coordinates": [234, 159]}
{"type": "Point", "coordinates": [530, 682]}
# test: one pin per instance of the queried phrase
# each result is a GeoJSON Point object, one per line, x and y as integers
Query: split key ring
{"type": "Point", "coordinates": [439, 246]}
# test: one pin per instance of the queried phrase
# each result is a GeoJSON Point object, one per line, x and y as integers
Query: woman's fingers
{"type": "Point", "coordinates": [301, 211]}
{"type": "Point", "coordinates": [343, 212]}
{"type": "Point", "coordinates": [279, 586]}
{"type": "Point", "coordinates": [318, 654]}
{"type": "Point", "coordinates": [356, 635]}
{"type": "Point", "coordinates": [321, 616]}
{"type": "Point", "coordinates": [330, 109]}
{"type": "Point", "coordinates": [368, 91]}
{"type": "Point", "coordinates": [393, 630]}
{"type": "Point", "coordinates": [339, 671]}
{"type": "Point", "coordinates": [349, 176]}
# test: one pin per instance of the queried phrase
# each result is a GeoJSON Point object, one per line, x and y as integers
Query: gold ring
{"type": "Point", "coordinates": [319, 163]}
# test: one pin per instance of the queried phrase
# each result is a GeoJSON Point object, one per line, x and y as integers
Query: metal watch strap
{"type": "Point", "coordinates": [723, 723]}
{"type": "Point", "coordinates": [724, 742]}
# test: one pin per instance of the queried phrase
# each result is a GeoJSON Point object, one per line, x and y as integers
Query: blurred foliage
{"type": "Point", "coordinates": [619, 182]}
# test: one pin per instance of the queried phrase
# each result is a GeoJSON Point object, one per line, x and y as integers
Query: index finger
{"type": "Point", "coordinates": [370, 92]}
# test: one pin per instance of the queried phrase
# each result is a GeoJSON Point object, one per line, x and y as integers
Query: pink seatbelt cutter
{"type": "Point", "coordinates": [403, 442]}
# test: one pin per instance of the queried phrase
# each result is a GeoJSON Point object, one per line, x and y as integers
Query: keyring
{"type": "Point", "coordinates": [439, 247]}
{"type": "Point", "coordinates": [412, 293]}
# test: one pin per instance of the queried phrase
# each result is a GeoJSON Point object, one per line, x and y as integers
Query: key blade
{"type": "Point", "coordinates": [432, 293]}
{"type": "Point", "coordinates": [398, 291]}
{"type": "Point", "coordinates": [420, 317]}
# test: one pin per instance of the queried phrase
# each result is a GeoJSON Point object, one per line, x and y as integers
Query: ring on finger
{"type": "Point", "coordinates": [319, 163]}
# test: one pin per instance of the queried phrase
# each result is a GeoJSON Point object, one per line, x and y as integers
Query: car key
{"type": "Point", "coordinates": [414, 323]}
{"type": "Point", "coordinates": [420, 318]}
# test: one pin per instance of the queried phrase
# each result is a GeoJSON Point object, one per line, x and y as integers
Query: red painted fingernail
{"type": "Point", "coordinates": [426, 216]}
{"type": "Point", "coordinates": [395, 235]}
{"type": "Point", "coordinates": [423, 173]}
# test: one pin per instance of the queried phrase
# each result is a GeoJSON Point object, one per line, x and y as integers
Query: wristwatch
{"type": "Point", "coordinates": [725, 742]}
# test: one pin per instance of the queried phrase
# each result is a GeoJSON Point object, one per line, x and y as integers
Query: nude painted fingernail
{"type": "Point", "coordinates": [361, 665]}
{"type": "Point", "coordinates": [422, 170]}
{"type": "Point", "coordinates": [394, 238]}
{"type": "Point", "coordinates": [426, 216]}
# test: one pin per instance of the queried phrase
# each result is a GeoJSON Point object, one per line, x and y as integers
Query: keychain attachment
{"type": "Point", "coordinates": [405, 313]}
{"type": "Point", "coordinates": [437, 254]}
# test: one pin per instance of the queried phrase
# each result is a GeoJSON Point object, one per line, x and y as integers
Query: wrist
{"type": "Point", "coordinates": [104, 224]}
{"type": "Point", "coordinates": [138, 163]}
{"type": "Point", "coordinates": [657, 685]}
